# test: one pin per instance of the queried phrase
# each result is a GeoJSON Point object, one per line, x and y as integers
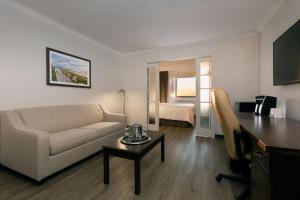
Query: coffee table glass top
{"type": "Point", "coordinates": [116, 144]}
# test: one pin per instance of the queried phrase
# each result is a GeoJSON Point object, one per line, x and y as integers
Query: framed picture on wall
{"type": "Point", "coordinates": [64, 69]}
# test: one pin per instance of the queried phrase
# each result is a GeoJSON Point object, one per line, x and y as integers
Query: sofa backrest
{"type": "Point", "coordinates": [60, 118]}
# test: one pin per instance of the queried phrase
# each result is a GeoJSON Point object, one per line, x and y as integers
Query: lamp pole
{"type": "Point", "coordinates": [123, 103]}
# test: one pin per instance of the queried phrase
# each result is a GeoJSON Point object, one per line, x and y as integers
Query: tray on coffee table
{"type": "Point", "coordinates": [127, 140]}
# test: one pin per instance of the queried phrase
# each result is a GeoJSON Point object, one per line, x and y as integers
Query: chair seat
{"type": "Point", "coordinates": [104, 128]}
{"type": "Point", "coordinates": [65, 140]}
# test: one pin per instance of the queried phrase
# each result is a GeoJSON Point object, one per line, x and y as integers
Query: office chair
{"type": "Point", "coordinates": [236, 144]}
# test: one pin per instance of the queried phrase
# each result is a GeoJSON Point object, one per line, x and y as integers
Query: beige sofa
{"type": "Point", "coordinates": [38, 142]}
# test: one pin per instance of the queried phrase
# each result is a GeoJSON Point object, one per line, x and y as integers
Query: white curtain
{"type": "Point", "coordinates": [172, 90]}
{"type": "Point", "coordinates": [173, 75]}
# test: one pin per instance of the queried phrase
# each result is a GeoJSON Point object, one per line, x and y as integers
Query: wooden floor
{"type": "Point", "coordinates": [187, 173]}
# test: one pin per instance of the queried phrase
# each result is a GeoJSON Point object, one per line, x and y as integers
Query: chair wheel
{"type": "Point", "coordinates": [218, 178]}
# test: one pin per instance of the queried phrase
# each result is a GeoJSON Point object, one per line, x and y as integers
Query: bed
{"type": "Point", "coordinates": [177, 114]}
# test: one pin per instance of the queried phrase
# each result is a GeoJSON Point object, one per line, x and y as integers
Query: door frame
{"type": "Point", "coordinates": [156, 66]}
{"type": "Point", "coordinates": [203, 132]}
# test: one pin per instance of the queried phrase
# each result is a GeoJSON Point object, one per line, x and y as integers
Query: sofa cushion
{"type": "Point", "coordinates": [59, 118]}
{"type": "Point", "coordinates": [105, 128]}
{"type": "Point", "coordinates": [65, 140]}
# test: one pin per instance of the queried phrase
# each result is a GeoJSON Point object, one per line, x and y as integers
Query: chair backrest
{"type": "Point", "coordinates": [62, 117]}
{"type": "Point", "coordinates": [227, 119]}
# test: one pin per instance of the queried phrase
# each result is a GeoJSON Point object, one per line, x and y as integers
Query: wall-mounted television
{"type": "Point", "coordinates": [286, 57]}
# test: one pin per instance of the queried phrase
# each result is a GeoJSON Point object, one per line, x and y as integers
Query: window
{"type": "Point", "coordinates": [186, 87]}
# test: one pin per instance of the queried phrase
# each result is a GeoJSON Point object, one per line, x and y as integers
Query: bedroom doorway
{"type": "Point", "coordinates": [177, 84]}
{"type": "Point", "coordinates": [178, 94]}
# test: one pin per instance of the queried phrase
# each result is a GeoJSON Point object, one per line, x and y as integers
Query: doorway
{"type": "Point", "coordinates": [178, 94]}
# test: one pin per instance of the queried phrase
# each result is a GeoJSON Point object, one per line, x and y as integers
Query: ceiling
{"type": "Point", "coordinates": [136, 25]}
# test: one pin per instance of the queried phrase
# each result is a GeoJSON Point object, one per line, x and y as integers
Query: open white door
{"type": "Point", "coordinates": [203, 102]}
{"type": "Point", "coordinates": [153, 96]}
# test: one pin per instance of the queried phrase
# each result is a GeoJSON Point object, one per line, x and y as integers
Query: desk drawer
{"type": "Point", "coordinates": [261, 157]}
{"type": "Point", "coordinates": [259, 182]}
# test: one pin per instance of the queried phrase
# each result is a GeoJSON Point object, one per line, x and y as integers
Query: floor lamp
{"type": "Point", "coordinates": [122, 91]}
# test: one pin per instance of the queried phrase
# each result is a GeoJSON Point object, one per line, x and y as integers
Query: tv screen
{"type": "Point", "coordinates": [286, 57]}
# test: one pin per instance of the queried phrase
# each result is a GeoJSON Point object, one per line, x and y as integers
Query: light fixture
{"type": "Point", "coordinates": [122, 91]}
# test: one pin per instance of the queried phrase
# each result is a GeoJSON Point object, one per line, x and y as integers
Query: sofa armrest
{"type": "Point", "coordinates": [24, 149]}
{"type": "Point", "coordinates": [113, 117]}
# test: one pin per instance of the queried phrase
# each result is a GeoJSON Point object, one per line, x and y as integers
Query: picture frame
{"type": "Point", "coordinates": [64, 69]}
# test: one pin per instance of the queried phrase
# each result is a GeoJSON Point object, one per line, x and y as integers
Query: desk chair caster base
{"type": "Point", "coordinates": [245, 193]}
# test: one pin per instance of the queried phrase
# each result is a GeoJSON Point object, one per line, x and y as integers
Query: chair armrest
{"type": "Point", "coordinates": [113, 117]}
{"type": "Point", "coordinates": [241, 143]}
{"type": "Point", "coordinates": [24, 149]}
{"type": "Point", "coordinates": [237, 141]}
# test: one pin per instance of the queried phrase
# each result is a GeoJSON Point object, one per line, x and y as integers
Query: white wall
{"type": "Point", "coordinates": [23, 39]}
{"type": "Point", "coordinates": [289, 95]}
{"type": "Point", "coordinates": [234, 67]}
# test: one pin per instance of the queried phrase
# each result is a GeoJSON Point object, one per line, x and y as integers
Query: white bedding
{"type": "Point", "coordinates": [177, 111]}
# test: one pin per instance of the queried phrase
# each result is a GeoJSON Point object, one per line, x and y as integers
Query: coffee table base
{"type": "Point", "coordinates": [131, 156]}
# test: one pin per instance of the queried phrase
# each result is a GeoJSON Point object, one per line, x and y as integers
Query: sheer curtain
{"type": "Point", "coordinates": [172, 90]}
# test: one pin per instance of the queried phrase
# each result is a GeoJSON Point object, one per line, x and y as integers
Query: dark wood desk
{"type": "Point", "coordinates": [275, 166]}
